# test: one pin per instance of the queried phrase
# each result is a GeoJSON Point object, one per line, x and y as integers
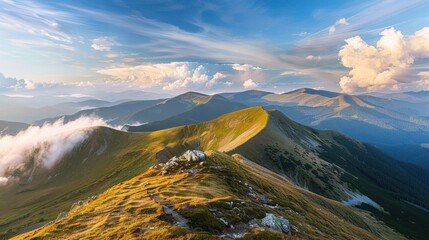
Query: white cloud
{"type": "Point", "coordinates": [168, 76]}
{"type": "Point", "coordinates": [36, 19]}
{"type": "Point", "coordinates": [385, 66]}
{"type": "Point", "coordinates": [301, 34]}
{"type": "Point", "coordinates": [215, 79]}
{"type": "Point", "coordinates": [244, 67]}
{"type": "Point", "coordinates": [342, 21]}
{"type": "Point", "coordinates": [292, 73]}
{"type": "Point", "coordinates": [13, 83]}
{"type": "Point", "coordinates": [249, 83]}
{"type": "Point", "coordinates": [74, 95]}
{"type": "Point", "coordinates": [19, 96]}
{"type": "Point", "coordinates": [103, 43]}
{"type": "Point", "coordinates": [311, 57]}
{"type": "Point", "coordinates": [333, 28]}
{"type": "Point", "coordinates": [44, 145]}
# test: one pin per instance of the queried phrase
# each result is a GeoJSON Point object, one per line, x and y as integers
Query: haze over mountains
{"type": "Point", "coordinates": [67, 159]}
{"type": "Point", "coordinates": [29, 108]}
{"type": "Point", "coordinates": [395, 125]}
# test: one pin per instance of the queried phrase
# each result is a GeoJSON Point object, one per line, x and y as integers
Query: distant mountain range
{"type": "Point", "coordinates": [121, 186]}
{"type": "Point", "coordinates": [383, 122]}
{"type": "Point", "coordinates": [28, 108]}
{"type": "Point", "coordinates": [345, 113]}
{"type": "Point", "coordinates": [209, 108]}
{"type": "Point", "coordinates": [396, 120]}
{"type": "Point", "coordinates": [11, 128]}
{"type": "Point", "coordinates": [183, 109]}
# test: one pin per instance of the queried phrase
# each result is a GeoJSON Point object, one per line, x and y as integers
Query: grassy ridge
{"type": "Point", "coordinates": [127, 210]}
{"type": "Point", "coordinates": [87, 170]}
{"type": "Point", "coordinates": [329, 163]}
{"type": "Point", "coordinates": [317, 160]}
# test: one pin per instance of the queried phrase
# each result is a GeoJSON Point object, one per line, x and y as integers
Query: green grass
{"type": "Point", "coordinates": [323, 218]}
{"type": "Point", "coordinates": [267, 138]}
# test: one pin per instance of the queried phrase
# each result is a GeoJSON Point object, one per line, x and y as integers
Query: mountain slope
{"type": "Point", "coordinates": [106, 158]}
{"type": "Point", "coordinates": [347, 114]}
{"type": "Point", "coordinates": [170, 107]}
{"type": "Point", "coordinates": [401, 106]}
{"type": "Point", "coordinates": [325, 162]}
{"type": "Point", "coordinates": [195, 201]}
{"type": "Point", "coordinates": [253, 96]}
{"type": "Point", "coordinates": [140, 112]}
{"type": "Point", "coordinates": [11, 128]}
{"type": "Point", "coordinates": [115, 115]}
{"type": "Point", "coordinates": [213, 108]}
{"type": "Point", "coordinates": [341, 168]}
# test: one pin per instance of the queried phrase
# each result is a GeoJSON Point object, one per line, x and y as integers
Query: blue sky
{"type": "Point", "coordinates": [212, 46]}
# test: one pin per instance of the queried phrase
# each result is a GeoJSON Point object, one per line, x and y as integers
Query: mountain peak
{"type": "Point", "coordinates": [312, 91]}
{"type": "Point", "coordinates": [190, 94]}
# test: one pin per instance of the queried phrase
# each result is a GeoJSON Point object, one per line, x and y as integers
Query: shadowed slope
{"type": "Point", "coordinates": [325, 162]}
{"type": "Point", "coordinates": [213, 108]}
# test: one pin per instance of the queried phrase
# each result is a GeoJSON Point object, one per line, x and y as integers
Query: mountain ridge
{"type": "Point", "coordinates": [266, 137]}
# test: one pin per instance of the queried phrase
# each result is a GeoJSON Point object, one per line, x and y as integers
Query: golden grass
{"type": "Point", "coordinates": [127, 211]}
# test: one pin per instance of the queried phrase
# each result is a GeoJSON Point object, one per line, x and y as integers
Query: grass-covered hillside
{"type": "Point", "coordinates": [108, 157]}
{"type": "Point", "coordinates": [222, 197]}
{"type": "Point", "coordinates": [324, 162]}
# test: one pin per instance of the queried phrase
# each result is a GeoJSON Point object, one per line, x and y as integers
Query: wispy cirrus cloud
{"type": "Point", "coordinates": [30, 18]}
{"type": "Point", "coordinates": [213, 44]}
{"type": "Point", "coordinates": [202, 33]}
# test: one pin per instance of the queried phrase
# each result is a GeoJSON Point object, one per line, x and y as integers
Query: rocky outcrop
{"type": "Point", "coordinates": [183, 160]}
{"type": "Point", "coordinates": [276, 223]}
{"type": "Point", "coordinates": [194, 155]}
{"type": "Point", "coordinates": [61, 216]}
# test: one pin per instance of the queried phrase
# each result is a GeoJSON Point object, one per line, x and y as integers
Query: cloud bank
{"type": "Point", "coordinates": [13, 83]}
{"type": "Point", "coordinates": [168, 76]}
{"type": "Point", "coordinates": [44, 145]}
{"type": "Point", "coordinates": [386, 66]}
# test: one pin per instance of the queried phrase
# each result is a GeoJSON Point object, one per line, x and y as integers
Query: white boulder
{"type": "Point", "coordinates": [194, 155]}
{"type": "Point", "coordinates": [276, 223]}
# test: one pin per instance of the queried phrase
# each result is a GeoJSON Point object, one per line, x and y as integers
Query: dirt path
{"type": "Point", "coordinates": [179, 220]}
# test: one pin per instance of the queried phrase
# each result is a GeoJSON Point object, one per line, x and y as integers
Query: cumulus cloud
{"type": "Point", "coordinates": [103, 43]}
{"type": "Point", "coordinates": [387, 65]}
{"type": "Point", "coordinates": [13, 83]}
{"type": "Point", "coordinates": [249, 83]}
{"type": "Point", "coordinates": [44, 146]}
{"type": "Point", "coordinates": [215, 79]}
{"type": "Point", "coordinates": [169, 76]}
{"type": "Point", "coordinates": [342, 21]}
